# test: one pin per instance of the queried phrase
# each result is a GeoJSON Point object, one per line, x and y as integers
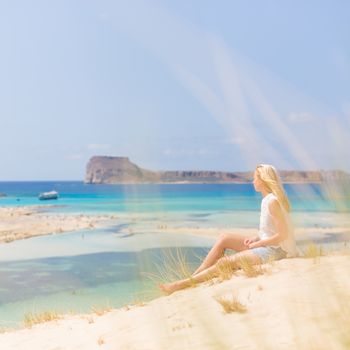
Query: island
{"type": "Point", "coordinates": [120, 170]}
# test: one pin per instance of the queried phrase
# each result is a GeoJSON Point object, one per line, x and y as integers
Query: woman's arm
{"type": "Point", "coordinates": [280, 224]}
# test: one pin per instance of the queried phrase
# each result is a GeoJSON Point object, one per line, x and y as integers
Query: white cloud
{"type": "Point", "coordinates": [98, 146]}
{"type": "Point", "coordinates": [301, 117]}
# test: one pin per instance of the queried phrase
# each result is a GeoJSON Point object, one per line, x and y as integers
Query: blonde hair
{"type": "Point", "coordinates": [271, 179]}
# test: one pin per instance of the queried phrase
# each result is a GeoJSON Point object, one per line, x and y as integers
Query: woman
{"type": "Point", "coordinates": [275, 238]}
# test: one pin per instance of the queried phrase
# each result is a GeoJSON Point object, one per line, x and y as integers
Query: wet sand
{"type": "Point", "coordinates": [26, 222]}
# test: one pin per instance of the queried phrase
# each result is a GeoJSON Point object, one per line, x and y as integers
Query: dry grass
{"type": "Point", "coordinates": [100, 340]}
{"type": "Point", "coordinates": [90, 320]}
{"type": "Point", "coordinates": [313, 251]}
{"type": "Point", "coordinates": [271, 261]}
{"type": "Point", "coordinates": [225, 270]}
{"type": "Point", "coordinates": [138, 303]}
{"type": "Point", "coordinates": [231, 305]}
{"type": "Point", "coordinates": [175, 266]}
{"type": "Point", "coordinates": [250, 269]}
{"type": "Point", "coordinates": [4, 329]}
{"type": "Point", "coordinates": [31, 319]}
{"type": "Point", "coordinates": [101, 310]}
{"type": "Point", "coordinates": [135, 303]}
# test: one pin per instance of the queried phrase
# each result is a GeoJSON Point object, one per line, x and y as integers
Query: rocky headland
{"type": "Point", "coordinates": [116, 170]}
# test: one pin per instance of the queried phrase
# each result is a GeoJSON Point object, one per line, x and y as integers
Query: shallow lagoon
{"type": "Point", "coordinates": [109, 268]}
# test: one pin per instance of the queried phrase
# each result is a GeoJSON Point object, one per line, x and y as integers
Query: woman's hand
{"type": "Point", "coordinates": [248, 241]}
{"type": "Point", "coordinates": [254, 245]}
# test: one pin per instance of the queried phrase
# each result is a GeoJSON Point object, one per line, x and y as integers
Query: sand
{"type": "Point", "coordinates": [25, 222]}
{"type": "Point", "coordinates": [297, 304]}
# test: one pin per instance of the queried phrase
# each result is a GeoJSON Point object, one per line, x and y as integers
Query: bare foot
{"type": "Point", "coordinates": [168, 288]}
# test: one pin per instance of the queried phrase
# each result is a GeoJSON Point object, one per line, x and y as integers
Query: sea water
{"type": "Point", "coordinates": [101, 268]}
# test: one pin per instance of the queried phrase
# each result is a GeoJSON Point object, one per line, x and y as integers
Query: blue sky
{"type": "Point", "coordinates": [173, 85]}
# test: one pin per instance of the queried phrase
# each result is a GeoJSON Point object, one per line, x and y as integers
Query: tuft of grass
{"type": "Point", "coordinates": [271, 261]}
{"type": "Point", "coordinates": [250, 269]}
{"type": "Point", "coordinates": [101, 310]}
{"type": "Point", "coordinates": [100, 340]}
{"type": "Point", "coordinates": [4, 330]}
{"type": "Point", "coordinates": [225, 270]}
{"type": "Point", "coordinates": [90, 319]}
{"type": "Point", "coordinates": [231, 305]}
{"type": "Point", "coordinates": [313, 251]}
{"type": "Point", "coordinates": [139, 303]}
{"type": "Point", "coordinates": [31, 319]}
{"type": "Point", "coordinates": [173, 267]}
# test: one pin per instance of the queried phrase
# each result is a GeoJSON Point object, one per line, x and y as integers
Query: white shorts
{"type": "Point", "coordinates": [268, 252]}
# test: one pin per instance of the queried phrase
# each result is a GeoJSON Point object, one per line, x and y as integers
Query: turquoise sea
{"type": "Point", "coordinates": [98, 268]}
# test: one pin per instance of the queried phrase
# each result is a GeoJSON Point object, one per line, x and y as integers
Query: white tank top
{"type": "Point", "coordinates": [268, 229]}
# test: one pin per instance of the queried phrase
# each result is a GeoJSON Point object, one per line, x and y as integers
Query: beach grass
{"type": "Point", "coordinates": [175, 266]}
{"type": "Point", "coordinates": [312, 251]}
{"type": "Point", "coordinates": [250, 269]}
{"type": "Point", "coordinates": [101, 310]}
{"type": "Point", "coordinates": [138, 302]}
{"type": "Point", "coordinates": [100, 340]}
{"type": "Point", "coordinates": [31, 318]}
{"type": "Point", "coordinates": [5, 329]}
{"type": "Point", "coordinates": [225, 270]}
{"type": "Point", "coordinates": [231, 304]}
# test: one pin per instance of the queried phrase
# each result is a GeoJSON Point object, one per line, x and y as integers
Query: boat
{"type": "Point", "coordinates": [48, 195]}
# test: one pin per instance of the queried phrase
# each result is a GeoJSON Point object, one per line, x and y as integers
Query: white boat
{"type": "Point", "coordinates": [48, 195]}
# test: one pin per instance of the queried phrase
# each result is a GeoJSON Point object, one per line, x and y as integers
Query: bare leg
{"type": "Point", "coordinates": [211, 272]}
{"type": "Point", "coordinates": [225, 241]}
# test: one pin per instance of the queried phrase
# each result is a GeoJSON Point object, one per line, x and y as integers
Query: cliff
{"type": "Point", "coordinates": [114, 170]}
{"type": "Point", "coordinates": [111, 170]}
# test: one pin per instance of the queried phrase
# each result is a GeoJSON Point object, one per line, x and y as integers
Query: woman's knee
{"type": "Point", "coordinates": [223, 239]}
{"type": "Point", "coordinates": [231, 241]}
{"type": "Point", "coordinates": [227, 240]}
